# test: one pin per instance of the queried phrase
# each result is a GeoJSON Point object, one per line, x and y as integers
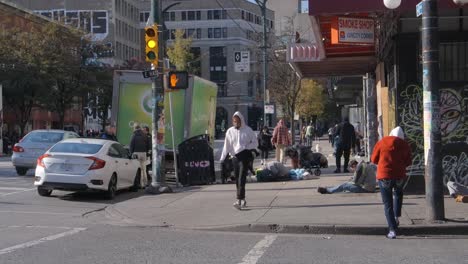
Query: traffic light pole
{"type": "Point", "coordinates": [263, 7]}
{"type": "Point", "coordinates": [432, 135]}
{"type": "Point", "coordinates": [158, 184]}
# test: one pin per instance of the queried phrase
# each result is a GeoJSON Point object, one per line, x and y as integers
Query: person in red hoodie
{"type": "Point", "coordinates": [392, 155]}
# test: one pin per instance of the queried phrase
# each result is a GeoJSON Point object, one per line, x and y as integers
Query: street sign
{"type": "Point", "coordinates": [419, 9]}
{"type": "Point", "coordinates": [242, 61]}
{"type": "Point", "coordinates": [178, 80]}
{"type": "Point", "coordinates": [269, 109]}
{"type": "Point", "coordinates": [149, 73]}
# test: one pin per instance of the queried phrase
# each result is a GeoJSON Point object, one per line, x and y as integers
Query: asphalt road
{"type": "Point", "coordinates": [72, 228]}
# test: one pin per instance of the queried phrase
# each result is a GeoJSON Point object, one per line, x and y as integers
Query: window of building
{"type": "Point", "coordinates": [191, 15]}
{"type": "Point", "coordinates": [195, 65]}
{"type": "Point", "coordinates": [224, 32]}
{"type": "Point", "coordinates": [217, 33]}
{"type": "Point", "coordinates": [184, 15]}
{"type": "Point", "coordinates": [216, 14]}
{"type": "Point", "coordinates": [224, 14]}
{"type": "Point", "coordinates": [198, 33]}
{"type": "Point", "coordinates": [210, 14]}
{"type": "Point", "coordinates": [243, 14]}
{"type": "Point", "coordinates": [210, 33]}
{"type": "Point", "coordinates": [218, 71]}
{"type": "Point", "coordinates": [172, 16]}
{"type": "Point", "coordinates": [198, 15]}
{"type": "Point", "coordinates": [191, 33]}
{"type": "Point", "coordinates": [166, 16]}
{"type": "Point", "coordinates": [172, 34]}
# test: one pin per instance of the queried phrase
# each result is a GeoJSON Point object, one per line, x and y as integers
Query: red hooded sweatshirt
{"type": "Point", "coordinates": [392, 155]}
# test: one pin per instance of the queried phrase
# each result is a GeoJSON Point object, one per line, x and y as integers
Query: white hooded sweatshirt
{"type": "Point", "coordinates": [397, 132]}
{"type": "Point", "coordinates": [238, 140]}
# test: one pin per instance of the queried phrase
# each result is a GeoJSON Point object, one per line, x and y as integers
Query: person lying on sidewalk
{"type": "Point", "coordinates": [363, 180]}
{"type": "Point", "coordinates": [458, 191]}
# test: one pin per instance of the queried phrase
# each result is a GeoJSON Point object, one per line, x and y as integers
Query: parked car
{"type": "Point", "coordinates": [83, 164]}
{"type": "Point", "coordinates": [33, 145]}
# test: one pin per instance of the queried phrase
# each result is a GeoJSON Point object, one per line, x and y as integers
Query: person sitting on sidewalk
{"type": "Point", "coordinates": [363, 180]}
{"type": "Point", "coordinates": [458, 191]}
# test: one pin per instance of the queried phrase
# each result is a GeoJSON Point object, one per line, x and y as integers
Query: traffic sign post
{"type": "Point", "coordinates": [150, 73]}
{"type": "Point", "coordinates": [242, 61]}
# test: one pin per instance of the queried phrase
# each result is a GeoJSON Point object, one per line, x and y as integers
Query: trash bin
{"type": "Point", "coordinates": [196, 161]}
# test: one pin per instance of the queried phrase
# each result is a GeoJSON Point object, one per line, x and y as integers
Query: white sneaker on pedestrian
{"type": "Point", "coordinates": [243, 204]}
{"type": "Point", "coordinates": [237, 204]}
{"type": "Point", "coordinates": [391, 235]}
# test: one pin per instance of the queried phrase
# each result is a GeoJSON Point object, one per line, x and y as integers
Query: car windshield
{"type": "Point", "coordinates": [43, 137]}
{"type": "Point", "coordinates": [81, 148]}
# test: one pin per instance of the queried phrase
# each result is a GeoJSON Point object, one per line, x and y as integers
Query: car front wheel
{"type": "Point", "coordinates": [44, 192]}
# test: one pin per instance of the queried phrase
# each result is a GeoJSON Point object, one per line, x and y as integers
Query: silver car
{"type": "Point", "coordinates": [33, 145]}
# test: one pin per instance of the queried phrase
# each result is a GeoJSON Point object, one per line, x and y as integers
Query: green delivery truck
{"type": "Point", "coordinates": [193, 109]}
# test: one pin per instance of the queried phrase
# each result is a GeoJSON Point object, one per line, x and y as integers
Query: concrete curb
{"type": "Point", "coordinates": [336, 229]}
{"type": "Point", "coordinates": [451, 229]}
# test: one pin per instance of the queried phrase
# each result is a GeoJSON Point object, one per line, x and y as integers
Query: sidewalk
{"type": "Point", "coordinates": [290, 207]}
{"type": "Point", "coordinates": [285, 207]}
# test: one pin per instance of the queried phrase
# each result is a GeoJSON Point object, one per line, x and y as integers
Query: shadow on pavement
{"type": "Point", "coordinates": [95, 196]}
{"type": "Point", "coordinates": [311, 206]}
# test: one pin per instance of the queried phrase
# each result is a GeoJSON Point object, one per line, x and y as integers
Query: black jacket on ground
{"type": "Point", "coordinates": [347, 135]}
{"type": "Point", "coordinates": [139, 142]}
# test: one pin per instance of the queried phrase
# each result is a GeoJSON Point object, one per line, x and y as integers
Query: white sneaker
{"type": "Point", "coordinates": [237, 204]}
{"type": "Point", "coordinates": [243, 203]}
{"type": "Point", "coordinates": [391, 235]}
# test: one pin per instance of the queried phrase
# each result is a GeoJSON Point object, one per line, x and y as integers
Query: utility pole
{"type": "Point", "coordinates": [432, 136]}
{"type": "Point", "coordinates": [263, 7]}
{"type": "Point", "coordinates": [158, 184]}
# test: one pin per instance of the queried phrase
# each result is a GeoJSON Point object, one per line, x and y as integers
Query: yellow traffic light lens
{"type": "Point", "coordinates": [151, 44]}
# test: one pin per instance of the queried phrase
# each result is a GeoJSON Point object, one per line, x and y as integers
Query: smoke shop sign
{"type": "Point", "coordinates": [353, 30]}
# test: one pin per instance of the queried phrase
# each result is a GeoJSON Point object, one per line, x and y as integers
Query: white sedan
{"type": "Point", "coordinates": [87, 164]}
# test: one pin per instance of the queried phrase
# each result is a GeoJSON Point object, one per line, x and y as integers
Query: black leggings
{"type": "Point", "coordinates": [241, 167]}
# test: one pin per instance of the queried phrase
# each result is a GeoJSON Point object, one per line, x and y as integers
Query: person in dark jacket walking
{"type": "Point", "coordinates": [264, 143]}
{"type": "Point", "coordinates": [139, 146]}
{"type": "Point", "coordinates": [347, 139]}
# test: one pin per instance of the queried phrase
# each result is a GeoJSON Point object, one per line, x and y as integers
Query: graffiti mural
{"type": "Point", "coordinates": [454, 130]}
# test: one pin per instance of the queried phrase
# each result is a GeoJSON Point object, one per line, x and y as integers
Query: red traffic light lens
{"type": "Point", "coordinates": [150, 32]}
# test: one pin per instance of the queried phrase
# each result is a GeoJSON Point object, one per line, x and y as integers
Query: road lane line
{"type": "Point", "coordinates": [26, 190]}
{"type": "Point", "coordinates": [13, 188]}
{"type": "Point", "coordinates": [35, 212]}
{"type": "Point", "coordinates": [41, 240]}
{"type": "Point", "coordinates": [258, 250]}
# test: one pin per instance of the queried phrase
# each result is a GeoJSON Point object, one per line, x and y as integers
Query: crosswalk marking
{"type": "Point", "coordinates": [258, 250]}
{"type": "Point", "coordinates": [41, 240]}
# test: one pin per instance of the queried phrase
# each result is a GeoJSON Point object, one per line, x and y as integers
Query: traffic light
{"type": "Point", "coordinates": [152, 45]}
{"type": "Point", "coordinates": [178, 80]}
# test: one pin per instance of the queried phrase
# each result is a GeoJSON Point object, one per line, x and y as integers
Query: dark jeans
{"type": "Point", "coordinates": [241, 167]}
{"type": "Point", "coordinates": [330, 139]}
{"type": "Point", "coordinates": [264, 154]}
{"type": "Point", "coordinates": [342, 152]}
{"type": "Point", "coordinates": [392, 198]}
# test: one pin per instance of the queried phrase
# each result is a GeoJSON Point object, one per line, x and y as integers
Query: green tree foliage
{"type": "Point", "coordinates": [179, 54]}
{"type": "Point", "coordinates": [311, 101]}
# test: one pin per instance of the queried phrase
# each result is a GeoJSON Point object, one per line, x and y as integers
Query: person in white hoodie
{"type": "Point", "coordinates": [241, 143]}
